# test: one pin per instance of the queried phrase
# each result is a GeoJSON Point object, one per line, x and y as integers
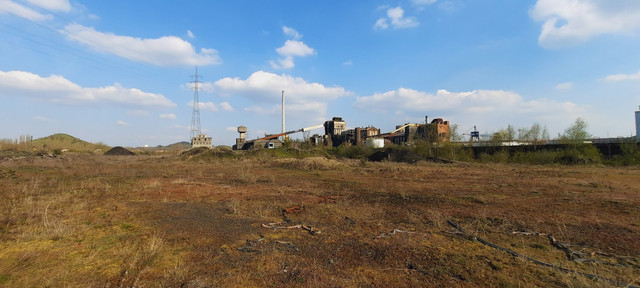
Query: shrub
{"type": "Point", "coordinates": [535, 157]}
{"type": "Point", "coordinates": [352, 152]}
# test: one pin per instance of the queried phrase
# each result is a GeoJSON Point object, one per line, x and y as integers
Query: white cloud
{"type": "Point", "coordinates": [623, 77]}
{"type": "Point", "coordinates": [295, 48]}
{"type": "Point", "coordinates": [8, 6]}
{"type": "Point", "coordinates": [290, 49]}
{"type": "Point", "coordinates": [291, 32]}
{"type": "Point", "coordinates": [564, 86]}
{"type": "Point", "coordinates": [283, 63]}
{"type": "Point", "coordinates": [450, 6]}
{"type": "Point", "coordinates": [42, 119]}
{"type": "Point", "coordinates": [409, 99]}
{"type": "Point", "coordinates": [57, 89]}
{"type": "Point", "coordinates": [396, 19]}
{"type": "Point", "coordinates": [259, 110]}
{"type": "Point", "coordinates": [304, 98]}
{"type": "Point", "coordinates": [190, 34]}
{"type": "Point", "coordinates": [205, 106]}
{"type": "Point", "coordinates": [202, 86]}
{"type": "Point", "coordinates": [141, 113]}
{"type": "Point", "coordinates": [54, 5]}
{"type": "Point", "coordinates": [163, 51]}
{"type": "Point", "coordinates": [423, 2]}
{"type": "Point", "coordinates": [168, 116]}
{"type": "Point", "coordinates": [491, 109]}
{"type": "Point", "coordinates": [381, 24]}
{"type": "Point", "coordinates": [570, 22]}
{"type": "Point", "coordinates": [210, 106]}
{"type": "Point", "coordinates": [265, 86]}
{"type": "Point", "coordinates": [347, 63]}
{"type": "Point", "coordinates": [122, 123]}
{"type": "Point", "coordinates": [226, 106]}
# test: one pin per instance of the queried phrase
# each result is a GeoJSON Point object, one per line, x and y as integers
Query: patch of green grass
{"type": "Point", "coordinates": [4, 278]}
{"type": "Point", "coordinates": [126, 226]}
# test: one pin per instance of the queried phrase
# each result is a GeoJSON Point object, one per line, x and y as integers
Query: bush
{"type": "Point", "coordinates": [498, 157]}
{"type": "Point", "coordinates": [352, 152]}
{"type": "Point", "coordinates": [535, 157]}
{"type": "Point", "coordinates": [630, 154]}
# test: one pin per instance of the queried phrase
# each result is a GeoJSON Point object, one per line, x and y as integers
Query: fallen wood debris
{"type": "Point", "coordinates": [574, 256]}
{"type": "Point", "coordinates": [570, 255]}
{"type": "Point", "coordinates": [349, 220]}
{"type": "Point", "coordinates": [293, 210]}
{"type": "Point", "coordinates": [518, 255]}
{"type": "Point", "coordinates": [288, 245]}
{"type": "Point", "coordinates": [276, 226]}
{"type": "Point", "coordinates": [251, 245]}
{"type": "Point", "coordinates": [527, 233]}
{"type": "Point", "coordinates": [248, 249]}
{"type": "Point", "coordinates": [393, 232]}
{"type": "Point", "coordinates": [579, 256]}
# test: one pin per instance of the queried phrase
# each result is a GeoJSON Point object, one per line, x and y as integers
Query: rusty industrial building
{"type": "Point", "coordinates": [336, 134]}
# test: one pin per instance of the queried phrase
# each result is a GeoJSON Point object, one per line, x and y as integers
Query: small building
{"type": "Point", "coordinates": [201, 141]}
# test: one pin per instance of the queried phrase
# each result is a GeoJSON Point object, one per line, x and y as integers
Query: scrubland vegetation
{"type": "Point", "coordinates": [297, 217]}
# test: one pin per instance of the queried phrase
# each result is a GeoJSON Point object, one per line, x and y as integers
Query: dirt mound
{"type": "Point", "coordinates": [119, 151]}
{"type": "Point", "coordinates": [195, 151]}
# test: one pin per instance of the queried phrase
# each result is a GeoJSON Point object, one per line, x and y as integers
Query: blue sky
{"type": "Point", "coordinates": [119, 72]}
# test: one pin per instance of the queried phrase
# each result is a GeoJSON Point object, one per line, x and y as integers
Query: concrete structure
{"type": "Point", "coordinates": [437, 130]}
{"type": "Point", "coordinates": [201, 140]}
{"type": "Point", "coordinates": [332, 131]}
{"type": "Point", "coordinates": [638, 124]}
{"type": "Point", "coordinates": [241, 139]}
{"type": "Point", "coordinates": [362, 134]}
{"type": "Point", "coordinates": [336, 134]}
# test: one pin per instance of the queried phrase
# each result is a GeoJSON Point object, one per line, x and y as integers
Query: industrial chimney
{"type": "Point", "coordinates": [283, 137]}
{"type": "Point", "coordinates": [638, 124]}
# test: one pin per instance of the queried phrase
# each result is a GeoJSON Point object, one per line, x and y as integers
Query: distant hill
{"type": "Point", "coordinates": [178, 146]}
{"type": "Point", "coordinates": [62, 141]}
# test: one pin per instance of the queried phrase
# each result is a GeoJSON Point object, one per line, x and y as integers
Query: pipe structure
{"type": "Point", "coordinates": [291, 132]}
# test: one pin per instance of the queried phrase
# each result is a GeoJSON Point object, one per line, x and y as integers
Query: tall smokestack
{"type": "Point", "coordinates": [638, 124]}
{"type": "Point", "coordinates": [283, 137]}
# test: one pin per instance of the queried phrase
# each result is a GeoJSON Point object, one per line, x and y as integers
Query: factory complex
{"type": "Point", "coordinates": [336, 134]}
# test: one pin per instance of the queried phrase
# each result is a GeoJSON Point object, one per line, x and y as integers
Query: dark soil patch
{"type": "Point", "coordinates": [193, 222]}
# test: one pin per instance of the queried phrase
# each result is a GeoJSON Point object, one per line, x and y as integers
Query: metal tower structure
{"type": "Point", "coordinates": [195, 116]}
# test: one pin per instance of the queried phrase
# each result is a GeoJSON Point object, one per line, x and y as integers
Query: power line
{"type": "Point", "coordinates": [128, 70]}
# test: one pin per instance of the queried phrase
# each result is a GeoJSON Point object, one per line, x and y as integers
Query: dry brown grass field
{"type": "Point", "coordinates": [83, 220]}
